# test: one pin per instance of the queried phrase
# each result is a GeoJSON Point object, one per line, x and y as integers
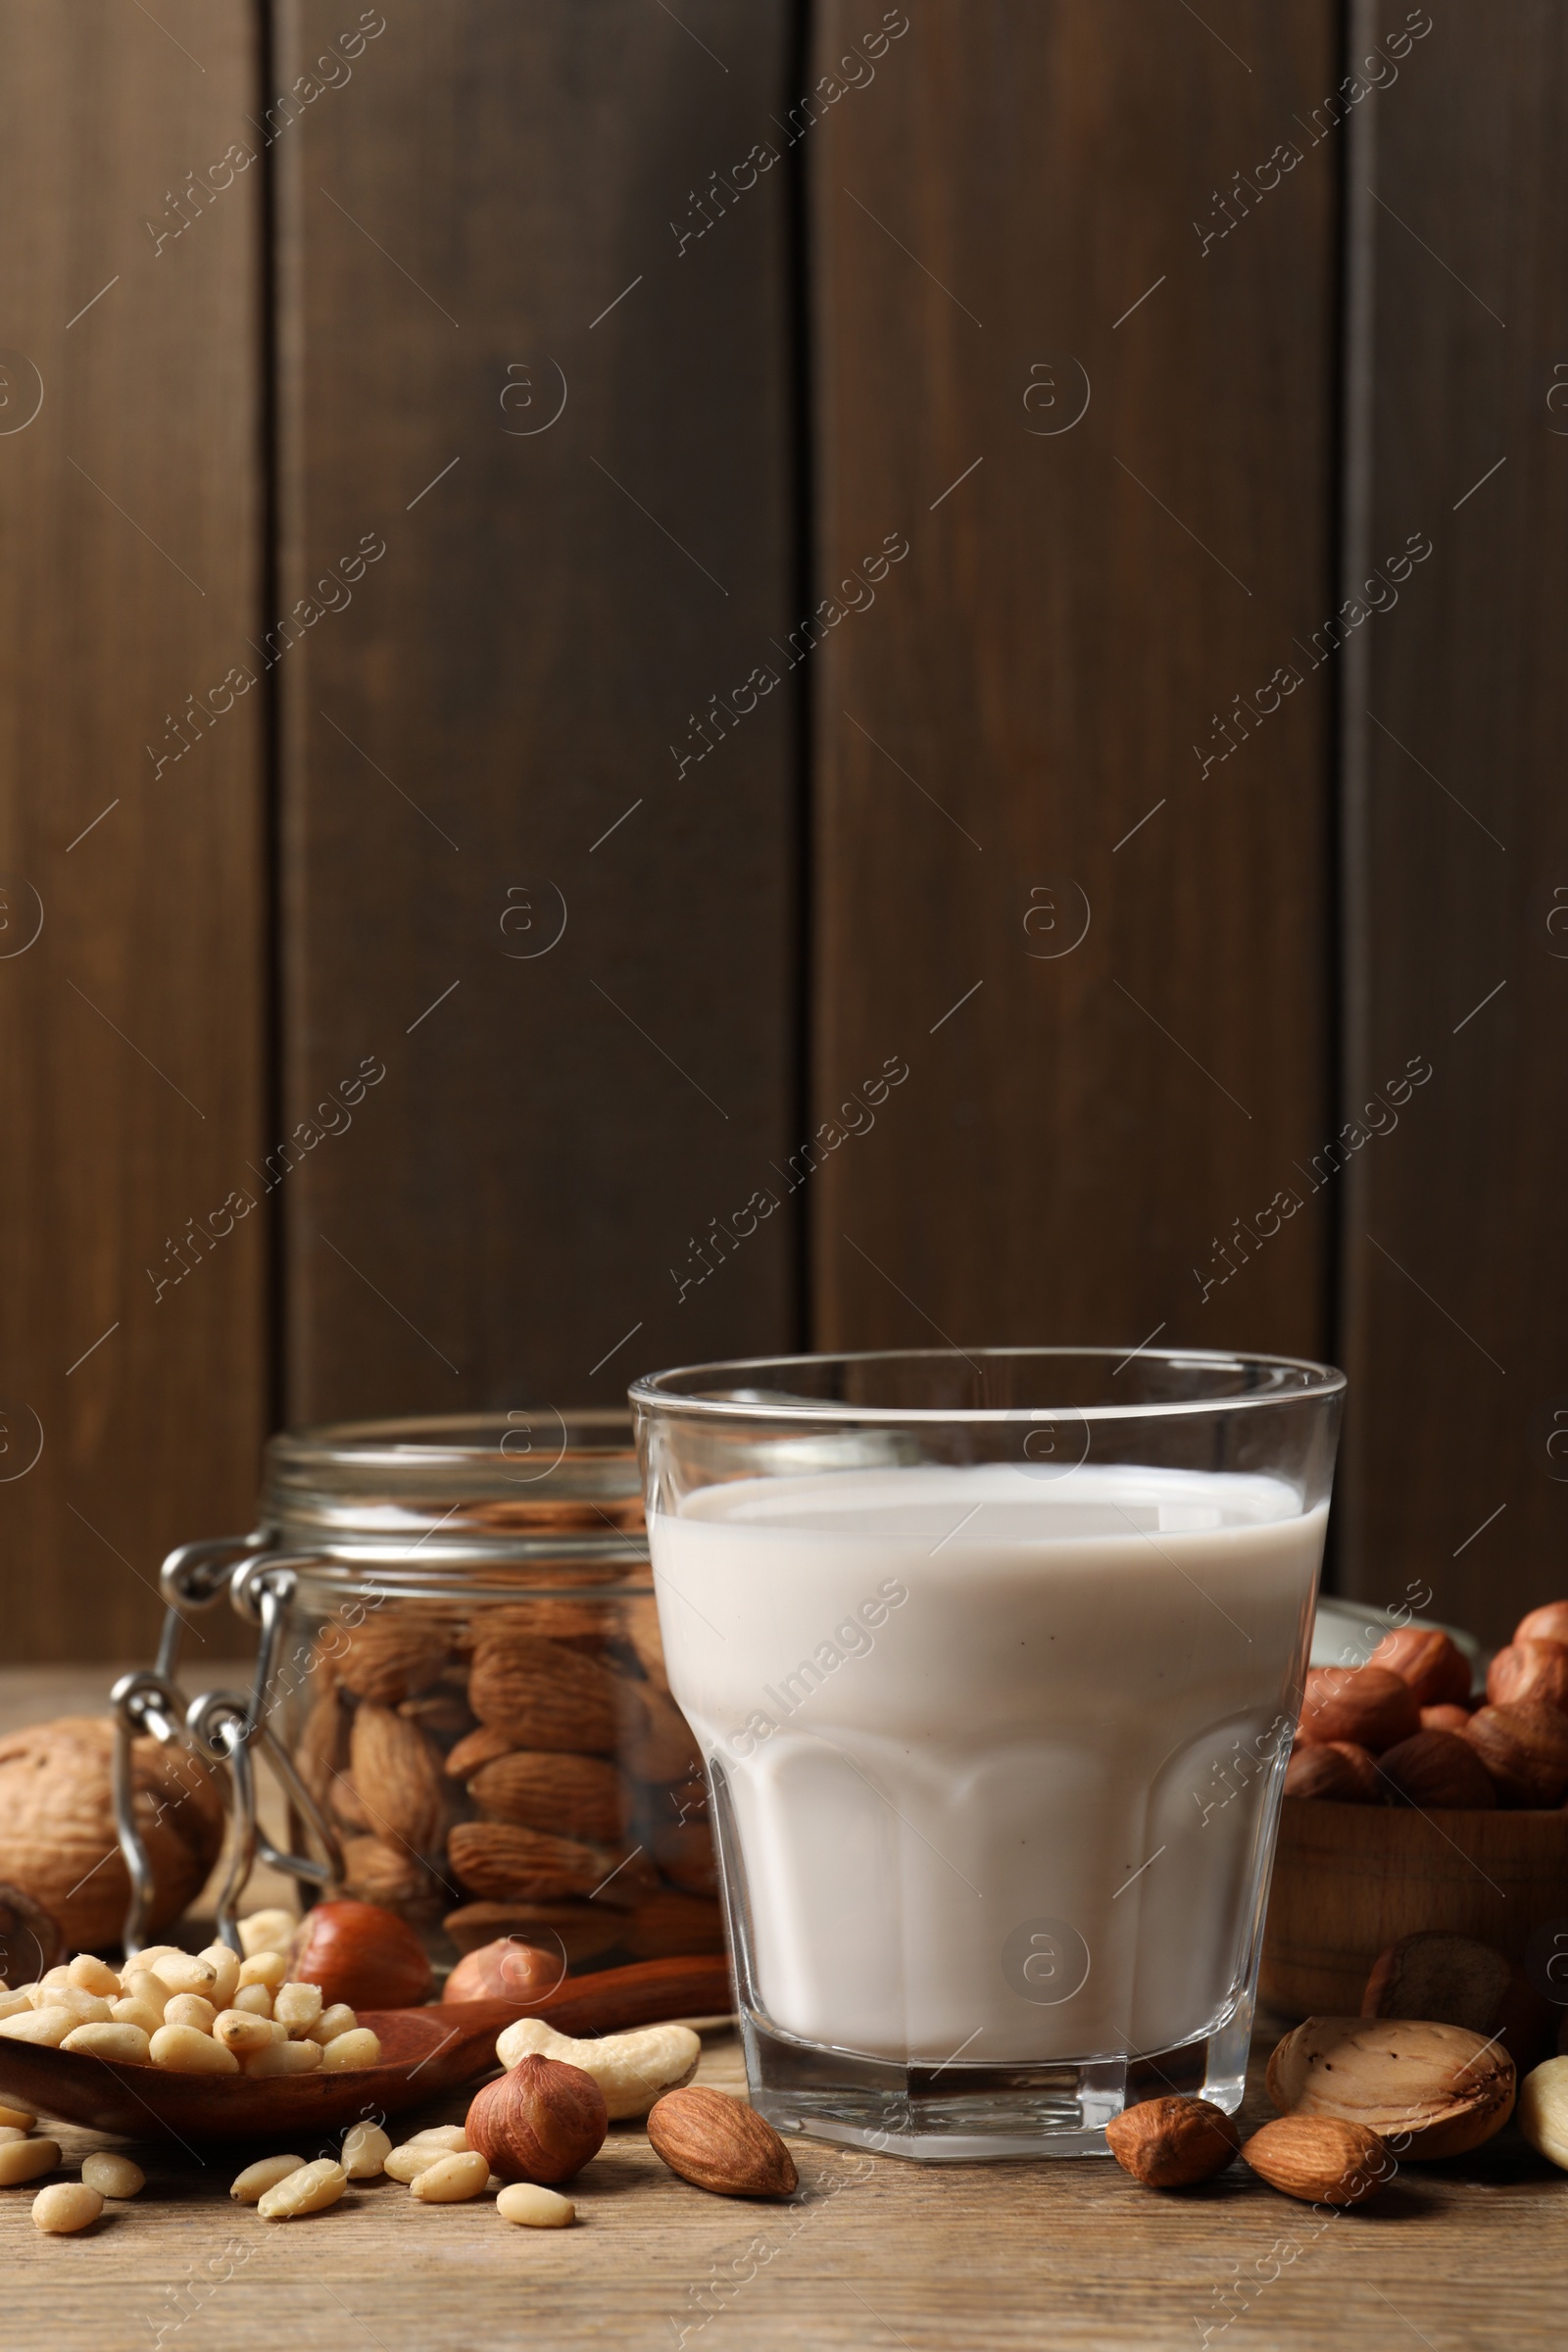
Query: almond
{"type": "Point", "coordinates": [657, 1742]}
{"type": "Point", "coordinates": [686, 1856]}
{"type": "Point", "coordinates": [498, 1859]}
{"type": "Point", "coordinates": [1530, 1669]}
{"type": "Point", "coordinates": [1431, 2090]}
{"type": "Point", "coordinates": [321, 1748]}
{"type": "Point", "coordinates": [374, 1872]}
{"type": "Point", "coordinates": [1364, 1704]}
{"type": "Point", "coordinates": [1524, 1746]}
{"type": "Point", "coordinates": [639, 1622]}
{"type": "Point", "coordinates": [1333, 1769]}
{"type": "Point", "coordinates": [578, 1932]}
{"type": "Point", "coordinates": [540, 1788]}
{"type": "Point", "coordinates": [585, 1624]}
{"type": "Point", "coordinates": [1434, 1665]}
{"type": "Point", "coordinates": [397, 1772]}
{"type": "Point", "coordinates": [1172, 2142]}
{"type": "Point", "coordinates": [477, 1748]}
{"type": "Point", "coordinates": [719, 2143]}
{"type": "Point", "coordinates": [1320, 2158]}
{"type": "Point", "coordinates": [546, 1695]}
{"type": "Point", "coordinates": [393, 1656]}
{"type": "Point", "coordinates": [1437, 1769]}
{"type": "Point", "coordinates": [347, 1807]}
{"type": "Point", "coordinates": [668, 1925]}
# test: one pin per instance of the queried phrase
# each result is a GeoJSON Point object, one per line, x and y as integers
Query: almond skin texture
{"type": "Point", "coordinates": [542, 2121]}
{"type": "Point", "coordinates": [1364, 1704]}
{"type": "Point", "coordinates": [1444, 1719]}
{"type": "Point", "coordinates": [498, 1859]}
{"type": "Point", "coordinates": [362, 1955]}
{"type": "Point", "coordinates": [718, 2143]}
{"type": "Point", "coordinates": [1169, 2143]}
{"type": "Point", "coordinates": [397, 1772]}
{"type": "Point", "coordinates": [1434, 1667]}
{"type": "Point", "coordinates": [1437, 1769]}
{"type": "Point", "coordinates": [1548, 1623]}
{"type": "Point", "coordinates": [1524, 1746]}
{"type": "Point", "coordinates": [575, 1796]}
{"type": "Point", "coordinates": [1335, 1770]}
{"type": "Point", "coordinates": [1530, 1669]}
{"type": "Point", "coordinates": [1320, 2159]}
{"type": "Point", "coordinates": [545, 1695]}
{"type": "Point", "coordinates": [391, 1657]}
{"type": "Point", "coordinates": [1431, 2091]}
{"type": "Point", "coordinates": [575, 1932]}
{"type": "Point", "coordinates": [386, 1876]}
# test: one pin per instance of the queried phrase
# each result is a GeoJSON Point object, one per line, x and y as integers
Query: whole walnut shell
{"type": "Point", "coordinates": [57, 1826]}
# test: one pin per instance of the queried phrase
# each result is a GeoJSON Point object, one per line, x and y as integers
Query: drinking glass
{"type": "Point", "coordinates": [994, 1658]}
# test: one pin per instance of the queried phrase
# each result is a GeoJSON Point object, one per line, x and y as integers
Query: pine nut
{"type": "Point", "coordinates": [407, 2162]}
{"type": "Point", "coordinates": [13, 2003]}
{"type": "Point", "coordinates": [24, 2159]}
{"type": "Point", "coordinates": [137, 2013]}
{"type": "Point", "coordinates": [65, 2206]}
{"type": "Point", "coordinates": [22, 2118]}
{"type": "Point", "coordinates": [184, 2051]}
{"type": "Point", "coordinates": [361, 2047]}
{"type": "Point", "coordinates": [87, 2008]}
{"type": "Point", "coordinates": [183, 1972]}
{"type": "Point", "coordinates": [47, 2027]}
{"type": "Point", "coordinates": [190, 2009]}
{"type": "Point", "coordinates": [451, 2179]}
{"type": "Point", "coordinates": [365, 2149]}
{"type": "Point", "coordinates": [311, 2189]}
{"type": "Point", "coordinates": [112, 2176]}
{"type": "Point", "coordinates": [298, 2006]}
{"type": "Point", "coordinates": [265, 1968]}
{"type": "Point", "coordinates": [257, 2178]}
{"type": "Point", "coordinates": [226, 1967]}
{"type": "Point", "coordinates": [339, 2019]}
{"type": "Point", "coordinates": [242, 2032]}
{"type": "Point", "coordinates": [285, 2058]}
{"type": "Point", "coordinates": [451, 2137]}
{"type": "Point", "coordinates": [256, 1998]}
{"type": "Point", "coordinates": [266, 1931]}
{"type": "Point", "coordinates": [126, 2046]}
{"type": "Point", "coordinates": [533, 2207]}
{"type": "Point", "coordinates": [93, 1976]}
{"type": "Point", "coordinates": [140, 1984]}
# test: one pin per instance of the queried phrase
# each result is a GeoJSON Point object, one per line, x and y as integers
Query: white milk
{"type": "Point", "coordinates": [996, 1744]}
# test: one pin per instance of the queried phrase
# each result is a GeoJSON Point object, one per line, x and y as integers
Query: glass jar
{"type": "Point", "coordinates": [462, 1662]}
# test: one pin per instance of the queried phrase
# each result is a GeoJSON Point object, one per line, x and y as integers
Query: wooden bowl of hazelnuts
{"type": "Point", "coordinates": [1409, 1806]}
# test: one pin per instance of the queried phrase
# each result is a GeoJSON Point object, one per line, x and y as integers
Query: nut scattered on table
{"type": "Point", "coordinates": [719, 2143]}
{"type": "Point", "coordinates": [112, 2176]}
{"type": "Point", "coordinates": [65, 2206]}
{"type": "Point", "coordinates": [1173, 2142]}
{"type": "Point", "coordinates": [1323, 2159]}
{"type": "Point", "coordinates": [632, 2069]}
{"type": "Point", "coordinates": [541, 2122]}
{"type": "Point", "coordinates": [452, 2180]}
{"type": "Point", "coordinates": [1432, 2090]}
{"type": "Point", "coordinates": [533, 2207]}
{"type": "Point", "coordinates": [311, 2189]}
{"type": "Point", "coordinates": [24, 2159]}
{"type": "Point", "coordinates": [1543, 2111]}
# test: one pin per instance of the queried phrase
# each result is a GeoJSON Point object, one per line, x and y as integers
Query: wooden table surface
{"type": "Point", "coordinates": [871, 2253]}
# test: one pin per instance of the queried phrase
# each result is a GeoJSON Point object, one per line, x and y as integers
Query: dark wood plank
{"type": "Point", "coordinates": [1457, 1268]}
{"type": "Point", "coordinates": [133, 1025]}
{"type": "Point", "coordinates": [1021, 736]}
{"type": "Point", "coordinates": [479, 748]}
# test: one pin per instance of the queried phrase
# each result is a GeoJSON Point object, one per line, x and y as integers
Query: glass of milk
{"type": "Point", "coordinates": [995, 1659]}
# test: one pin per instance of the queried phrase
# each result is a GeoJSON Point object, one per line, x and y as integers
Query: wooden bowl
{"type": "Point", "coordinates": [1350, 1880]}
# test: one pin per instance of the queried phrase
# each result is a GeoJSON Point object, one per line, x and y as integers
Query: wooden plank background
{"type": "Point", "coordinates": [475, 230]}
{"type": "Point", "coordinates": [134, 1342]}
{"type": "Point", "coordinates": [786, 559]}
{"type": "Point", "coordinates": [1456, 1264]}
{"type": "Point", "coordinates": [1005, 749]}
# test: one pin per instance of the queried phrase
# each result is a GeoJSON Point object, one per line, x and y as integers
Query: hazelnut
{"type": "Point", "coordinates": [508, 1970]}
{"type": "Point", "coordinates": [362, 1955]}
{"type": "Point", "coordinates": [1434, 1665]}
{"type": "Point", "coordinates": [1437, 1769]}
{"type": "Point", "coordinates": [1548, 1623]}
{"type": "Point", "coordinates": [1524, 1746]}
{"type": "Point", "coordinates": [1172, 2142]}
{"type": "Point", "coordinates": [1528, 1669]}
{"type": "Point", "coordinates": [542, 2121]}
{"type": "Point", "coordinates": [1444, 1719]}
{"type": "Point", "coordinates": [1336, 1770]}
{"type": "Point", "coordinates": [1366, 1704]}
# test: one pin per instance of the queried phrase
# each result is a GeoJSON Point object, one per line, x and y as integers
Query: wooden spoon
{"type": "Point", "coordinates": [423, 2052]}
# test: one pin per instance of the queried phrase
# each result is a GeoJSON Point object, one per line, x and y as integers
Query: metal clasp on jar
{"type": "Point", "coordinates": [221, 1727]}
